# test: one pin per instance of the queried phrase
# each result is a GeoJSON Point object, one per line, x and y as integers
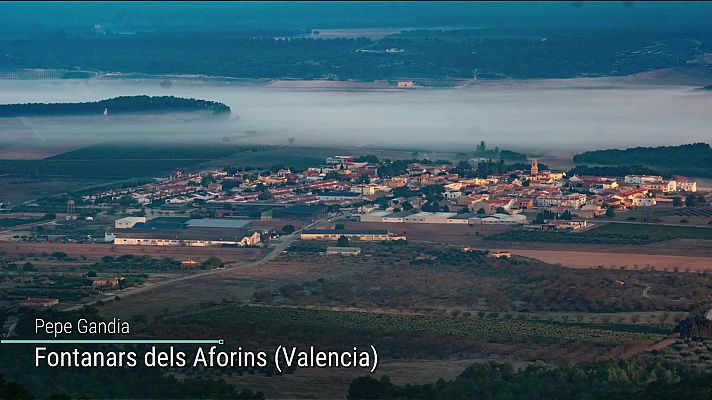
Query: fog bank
{"type": "Point", "coordinates": [567, 115]}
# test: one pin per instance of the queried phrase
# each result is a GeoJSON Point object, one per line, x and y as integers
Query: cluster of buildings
{"type": "Point", "coordinates": [353, 186]}
{"type": "Point", "coordinates": [171, 231]}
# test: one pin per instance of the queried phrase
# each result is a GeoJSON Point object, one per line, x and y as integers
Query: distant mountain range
{"type": "Point", "coordinates": [116, 105]}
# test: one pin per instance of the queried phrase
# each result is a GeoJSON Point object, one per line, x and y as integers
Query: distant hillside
{"type": "Point", "coordinates": [688, 159]}
{"type": "Point", "coordinates": [116, 105]}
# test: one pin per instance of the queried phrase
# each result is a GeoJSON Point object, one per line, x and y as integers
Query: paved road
{"type": "Point", "coordinates": [282, 245]}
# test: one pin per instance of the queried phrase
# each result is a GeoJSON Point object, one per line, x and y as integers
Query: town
{"type": "Point", "coordinates": [241, 207]}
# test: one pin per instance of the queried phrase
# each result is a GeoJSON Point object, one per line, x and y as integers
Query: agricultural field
{"type": "Point", "coordinates": [694, 212]}
{"type": "Point", "coordinates": [474, 282]}
{"type": "Point", "coordinates": [110, 161]}
{"type": "Point", "coordinates": [10, 222]}
{"type": "Point", "coordinates": [17, 189]}
{"type": "Point", "coordinates": [655, 232]}
{"type": "Point", "coordinates": [68, 279]}
{"type": "Point", "coordinates": [610, 233]}
{"type": "Point", "coordinates": [367, 324]}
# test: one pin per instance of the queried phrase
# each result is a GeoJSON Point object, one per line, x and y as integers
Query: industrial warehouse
{"type": "Point", "coordinates": [182, 232]}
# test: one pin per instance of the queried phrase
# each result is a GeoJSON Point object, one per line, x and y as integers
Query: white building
{"type": "Point", "coordinates": [638, 179]}
{"type": "Point", "coordinates": [687, 186]}
{"type": "Point", "coordinates": [643, 201]}
{"type": "Point", "coordinates": [429, 218]}
{"type": "Point", "coordinates": [504, 219]}
{"type": "Point", "coordinates": [574, 200]}
{"type": "Point", "coordinates": [128, 222]}
{"type": "Point", "coordinates": [376, 216]}
{"type": "Point", "coordinates": [452, 194]}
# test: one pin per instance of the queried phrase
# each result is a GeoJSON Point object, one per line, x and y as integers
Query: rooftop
{"type": "Point", "coordinates": [217, 223]}
{"type": "Point", "coordinates": [346, 231]}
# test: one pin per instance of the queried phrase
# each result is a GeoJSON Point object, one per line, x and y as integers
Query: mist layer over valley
{"type": "Point", "coordinates": [542, 115]}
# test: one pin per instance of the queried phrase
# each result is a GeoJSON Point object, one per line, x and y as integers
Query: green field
{"type": "Point", "coordinates": [611, 233]}
{"type": "Point", "coordinates": [287, 319]}
{"type": "Point", "coordinates": [657, 232]}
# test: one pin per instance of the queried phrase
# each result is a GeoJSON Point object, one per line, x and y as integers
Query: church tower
{"type": "Point", "coordinates": [535, 167]}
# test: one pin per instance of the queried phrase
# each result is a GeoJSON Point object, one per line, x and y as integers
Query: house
{"type": "Point", "coordinates": [574, 200]}
{"type": "Point", "coordinates": [661, 186]}
{"type": "Point", "coordinates": [452, 194]}
{"type": "Point", "coordinates": [105, 283]}
{"type": "Point", "coordinates": [524, 203]}
{"type": "Point", "coordinates": [685, 185]}
{"type": "Point", "coordinates": [564, 225]}
{"type": "Point", "coordinates": [643, 201]}
{"type": "Point", "coordinates": [396, 182]}
{"type": "Point", "coordinates": [492, 206]}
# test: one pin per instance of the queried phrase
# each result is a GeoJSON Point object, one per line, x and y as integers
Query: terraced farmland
{"type": "Point", "coordinates": [285, 319]}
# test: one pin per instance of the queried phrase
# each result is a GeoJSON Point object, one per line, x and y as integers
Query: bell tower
{"type": "Point", "coordinates": [535, 168]}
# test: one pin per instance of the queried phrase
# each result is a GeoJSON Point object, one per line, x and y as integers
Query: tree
{"type": "Point", "coordinates": [3, 317]}
{"type": "Point", "coordinates": [339, 227]}
{"type": "Point", "coordinates": [481, 211]}
{"type": "Point", "coordinates": [676, 202]}
{"type": "Point", "coordinates": [126, 201]}
{"type": "Point", "coordinates": [565, 215]}
{"type": "Point", "coordinates": [13, 390]}
{"type": "Point", "coordinates": [363, 179]}
{"type": "Point", "coordinates": [463, 168]}
{"type": "Point", "coordinates": [343, 241]}
{"type": "Point", "coordinates": [213, 262]}
{"type": "Point", "coordinates": [690, 201]}
{"type": "Point", "coordinates": [407, 206]}
{"type": "Point", "coordinates": [289, 228]}
{"type": "Point", "coordinates": [264, 196]}
{"type": "Point", "coordinates": [610, 212]}
{"type": "Point", "coordinates": [431, 206]}
{"type": "Point", "coordinates": [207, 180]}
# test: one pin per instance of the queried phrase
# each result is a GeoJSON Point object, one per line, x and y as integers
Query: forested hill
{"type": "Point", "coordinates": [116, 105]}
{"type": "Point", "coordinates": [688, 159]}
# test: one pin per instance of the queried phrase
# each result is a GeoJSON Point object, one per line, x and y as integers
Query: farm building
{"type": "Point", "coordinates": [367, 235]}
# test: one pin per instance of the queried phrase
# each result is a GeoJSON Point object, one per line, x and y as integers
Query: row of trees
{"type": "Point", "coordinates": [116, 105]}
{"type": "Point", "coordinates": [640, 378]}
{"type": "Point", "coordinates": [689, 159]}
